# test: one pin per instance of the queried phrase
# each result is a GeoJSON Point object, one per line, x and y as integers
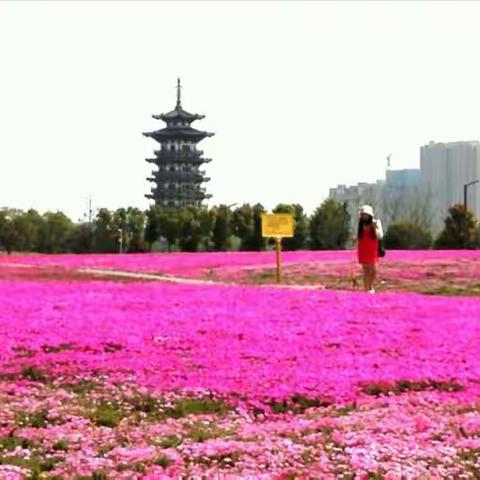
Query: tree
{"type": "Point", "coordinates": [7, 238]}
{"type": "Point", "coordinates": [242, 224]}
{"type": "Point", "coordinates": [222, 229]}
{"type": "Point", "coordinates": [152, 232]}
{"type": "Point", "coordinates": [256, 240]}
{"type": "Point", "coordinates": [411, 205]}
{"type": "Point", "coordinates": [169, 225]}
{"type": "Point", "coordinates": [299, 240]}
{"type": "Point", "coordinates": [55, 233]}
{"type": "Point", "coordinates": [105, 232]}
{"type": "Point", "coordinates": [330, 225]}
{"type": "Point", "coordinates": [206, 219]}
{"type": "Point", "coordinates": [190, 229]}
{"type": "Point", "coordinates": [81, 238]}
{"type": "Point", "coordinates": [130, 224]}
{"type": "Point", "coordinates": [135, 225]}
{"type": "Point", "coordinates": [407, 236]}
{"type": "Point", "coordinates": [20, 230]}
{"type": "Point", "coordinates": [460, 229]}
{"type": "Point", "coordinates": [25, 230]}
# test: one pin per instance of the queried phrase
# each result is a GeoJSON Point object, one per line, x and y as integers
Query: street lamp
{"type": "Point", "coordinates": [465, 186]}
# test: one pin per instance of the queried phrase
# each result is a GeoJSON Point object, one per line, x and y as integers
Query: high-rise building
{"type": "Point", "coordinates": [178, 178]}
{"type": "Point", "coordinates": [446, 168]}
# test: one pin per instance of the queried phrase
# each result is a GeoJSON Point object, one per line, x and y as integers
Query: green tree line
{"type": "Point", "coordinates": [218, 228]}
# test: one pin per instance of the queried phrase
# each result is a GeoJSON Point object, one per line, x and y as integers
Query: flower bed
{"type": "Point", "coordinates": [103, 379]}
{"type": "Point", "coordinates": [434, 271]}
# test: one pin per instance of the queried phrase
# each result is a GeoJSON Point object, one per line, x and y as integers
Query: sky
{"type": "Point", "coordinates": [301, 96]}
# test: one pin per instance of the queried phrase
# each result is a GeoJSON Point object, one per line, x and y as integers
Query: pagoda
{"type": "Point", "coordinates": [177, 181]}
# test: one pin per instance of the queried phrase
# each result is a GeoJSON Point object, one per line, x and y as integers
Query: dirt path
{"type": "Point", "coordinates": [148, 276]}
{"type": "Point", "coordinates": [105, 272]}
{"type": "Point", "coordinates": [184, 280]}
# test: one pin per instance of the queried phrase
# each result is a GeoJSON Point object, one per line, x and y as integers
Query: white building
{"type": "Point", "coordinates": [446, 168]}
{"type": "Point", "coordinates": [357, 195]}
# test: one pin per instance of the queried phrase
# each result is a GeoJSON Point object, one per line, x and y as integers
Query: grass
{"type": "Point", "coordinates": [11, 442]}
{"type": "Point", "coordinates": [29, 372]}
{"type": "Point", "coordinates": [81, 387]}
{"type": "Point", "coordinates": [138, 467]}
{"type": "Point", "coordinates": [400, 386]}
{"type": "Point", "coordinates": [225, 459]}
{"type": "Point", "coordinates": [24, 352]}
{"type": "Point", "coordinates": [34, 464]}
{"type": "Point", "coordinates": [107, 414]}
{"type": "Point", "coordinates": [62, 347]}
{"type": "Point", "coordinates": [104, 449]}
{"type": "Point", "coordinates": [197, 406]}
{"type": "Point", "coordinates": [297, 404]}
{"type": "Point", "coordinates": [60, 445]}
{"type": "Point", "coordinates": [162, 461]}
{"type": "Point", "coordinates": [34, 374]}
{"type": "Point", "coordinates": [97, 475]}
{"type": "Point", "coordinates": [36, 419]}
{"type": "Point", "coordinates": [112, 347]}
{"type": "Point", "coordinates": [170, 441]}
{"type": "Point", "coordinates": [152, 406]}
{"type": "Point", "coordinates": [345, 410]}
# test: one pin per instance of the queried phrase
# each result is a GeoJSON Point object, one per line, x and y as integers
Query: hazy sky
{"type": "Point", "coordinates": [301, 96]}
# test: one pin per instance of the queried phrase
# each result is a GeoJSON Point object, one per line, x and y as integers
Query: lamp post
{"type": "Point", "coordinates": [465, 186]}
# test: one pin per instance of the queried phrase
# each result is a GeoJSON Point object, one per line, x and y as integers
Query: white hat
{"type": "Point", "coordinates": [366, 209]}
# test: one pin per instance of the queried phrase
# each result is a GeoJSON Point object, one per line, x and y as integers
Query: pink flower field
{"type": "Point", "coordinates": [122, 378]}
{"type": "Point", "coordinates": [451, 272]}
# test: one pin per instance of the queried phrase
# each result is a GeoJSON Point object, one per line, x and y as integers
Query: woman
{"type": "Point", "coordinates": [369, 233]}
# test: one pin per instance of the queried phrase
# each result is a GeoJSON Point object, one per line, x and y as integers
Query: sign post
{"type": "Point", "coordinates": [277, 226]}
{"type": "Point", "coordinates": [278, 249]}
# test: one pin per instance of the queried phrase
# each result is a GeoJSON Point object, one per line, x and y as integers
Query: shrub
{"type": "Point", "coordinates": [404, 236]}
{"type": "Point", "coordinates": [460, 229]}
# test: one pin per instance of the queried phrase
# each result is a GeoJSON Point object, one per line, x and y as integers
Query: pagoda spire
{"type": "Point", "coordinates": [179, 102]}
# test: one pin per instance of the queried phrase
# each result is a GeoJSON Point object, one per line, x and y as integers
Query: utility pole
{"type": "Point", "coordinates": [88, 216]}
{"type": "Point", "coordinates": [90, 209]}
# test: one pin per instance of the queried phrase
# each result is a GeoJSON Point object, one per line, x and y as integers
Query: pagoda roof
{"type": "Point", "coordinates": [180, 114]}
{"type": "Point", "coordinates": [178, 132]}
{"type": "Point", "coordinates": [178, 159]}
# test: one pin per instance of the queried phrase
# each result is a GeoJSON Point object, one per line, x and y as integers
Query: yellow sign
{"type": "Point", "coordinates": [277, 225]}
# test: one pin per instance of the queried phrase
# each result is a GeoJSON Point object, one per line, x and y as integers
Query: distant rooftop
{"type": "Point", "coordinates": [452, 144]}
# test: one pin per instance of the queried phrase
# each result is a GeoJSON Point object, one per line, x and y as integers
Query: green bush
{"type": "Point", "coordinates": [404, 236]}
{"type": "Point", "coordinates": [461, 229]}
